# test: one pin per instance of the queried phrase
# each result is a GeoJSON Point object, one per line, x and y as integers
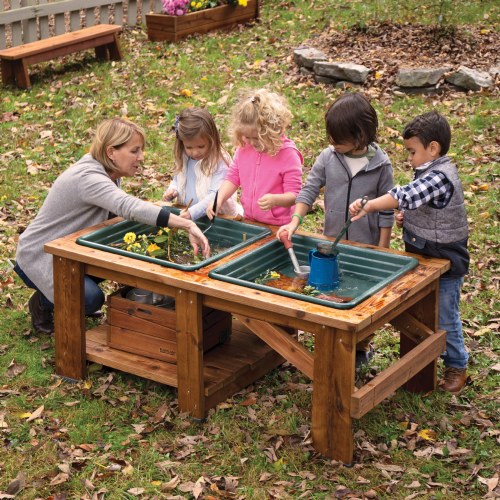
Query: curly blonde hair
{"type": "Point", "coordinates": [267, 111]}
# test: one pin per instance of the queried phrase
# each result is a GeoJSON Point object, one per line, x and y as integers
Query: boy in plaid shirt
{"type": "Point", "coordinates": [434, 224]}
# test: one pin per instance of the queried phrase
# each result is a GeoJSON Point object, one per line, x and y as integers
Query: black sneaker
{"type": "Point", "coordinates": [41, 319]}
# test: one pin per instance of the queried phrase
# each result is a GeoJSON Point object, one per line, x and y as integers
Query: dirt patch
{"type": "Point", "coordinates": [387, 47]}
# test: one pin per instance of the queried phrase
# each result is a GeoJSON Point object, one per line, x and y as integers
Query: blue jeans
{"type": "Point", "coordinates": [94, 296]}
{"type": "Point", "coordinates": [455, 355]}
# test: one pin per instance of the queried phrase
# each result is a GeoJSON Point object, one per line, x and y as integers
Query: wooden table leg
{"type": "Point", "coordinates": [188, 308]}
{"type": "Point", "coordinates": [426, 311]}
{"type": "Point", "coordinates": [69, 318]}
{"type": "Point", "coordinates": [334, 359]}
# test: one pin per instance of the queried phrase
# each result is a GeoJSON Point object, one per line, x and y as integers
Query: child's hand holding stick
{"type": "Point", "coordinates": [184, 212]}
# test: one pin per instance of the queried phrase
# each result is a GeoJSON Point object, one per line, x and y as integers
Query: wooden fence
{"type": "Point", "coordinates": [23, 21]}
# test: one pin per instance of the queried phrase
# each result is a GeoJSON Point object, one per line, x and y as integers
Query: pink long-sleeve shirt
{"type": "Point", "coordinates": [258, 174]}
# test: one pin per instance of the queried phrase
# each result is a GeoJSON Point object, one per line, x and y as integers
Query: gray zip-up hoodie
{"type": "Point", "coordinates": [331, 171]}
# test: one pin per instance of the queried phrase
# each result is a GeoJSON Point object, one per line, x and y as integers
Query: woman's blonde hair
{"type": "Point", "coordinates": [114, 132]}
{"type": "Point", "coordinates": [194, 122]}
{"type": "Point", "coordinates": [267, 111]}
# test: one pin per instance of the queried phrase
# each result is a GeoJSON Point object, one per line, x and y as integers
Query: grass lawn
{"type": "Point", "coordinates": [119, 436]}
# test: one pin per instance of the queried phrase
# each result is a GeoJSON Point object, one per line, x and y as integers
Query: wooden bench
{"type": "Point", "coordinates": [15, 61]}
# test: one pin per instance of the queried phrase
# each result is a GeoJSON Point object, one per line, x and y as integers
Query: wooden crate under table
{"type": "Point", "coordinates": [151, 330]}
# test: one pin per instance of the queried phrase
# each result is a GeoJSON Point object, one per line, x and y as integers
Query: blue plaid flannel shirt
{"type": "Point", "coordinates": [434, 188]}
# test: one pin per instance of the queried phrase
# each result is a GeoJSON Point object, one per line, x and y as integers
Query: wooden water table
{"type": "Point", "coordinates": [261, 337]}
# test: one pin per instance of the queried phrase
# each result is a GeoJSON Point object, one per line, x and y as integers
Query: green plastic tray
{"type": "Point", "coordinates": [225, 232]}
{"type": "Point", "coordinates": [363, 271]}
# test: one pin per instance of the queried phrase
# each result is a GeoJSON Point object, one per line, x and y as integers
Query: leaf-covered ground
{"type": "Point", "coordinates": [119, 436]}
{"type": "Point", "coordinates": [386, 47]}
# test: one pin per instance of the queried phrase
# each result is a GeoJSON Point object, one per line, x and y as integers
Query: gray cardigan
{"type": "Point", "coordinates": [331, 171]}
{"type": "Point", "coordinates": [82, 196]}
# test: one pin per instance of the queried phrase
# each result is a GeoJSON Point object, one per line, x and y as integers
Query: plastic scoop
{"type": "Point", "coordinates": [333, 249]}
{"type": "Point", "coordinates": [300, 271]}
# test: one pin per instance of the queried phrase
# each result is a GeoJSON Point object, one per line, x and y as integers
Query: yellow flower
{"type": "Point", "coordinates": [152, 248]}
{"type": "Point", "coordinates": [274, 274]}
{"type": "Point", "coordinates": [198, 5]}
{"type": "Point", "coordinates": [193, 4]}
{"type": "Point", "coordinates": [243, 3]}
{"type": "Point", "coordinates": [129, 238]}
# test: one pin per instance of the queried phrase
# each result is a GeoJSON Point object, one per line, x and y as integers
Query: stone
{"type": "Point", "coordinates": [307, 56]}
{"type": "Point", "coordinates": [305, 72]}
{"type": "Point", "coordinates": [419, 77]}
{"type": "Point", "coordinates": [494, 71]}
{"type": "Point", "coordinates": [470, 79]}
{"type": "Point", "coordinates": [351, 72]}
{"type": "Point", "coordinates": [325, 79]}
{"type": "Point", "coordinates": [432, 90]}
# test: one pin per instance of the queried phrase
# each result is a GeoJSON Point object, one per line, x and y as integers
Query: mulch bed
{"type": "Point", "coordinates": [387, 47]}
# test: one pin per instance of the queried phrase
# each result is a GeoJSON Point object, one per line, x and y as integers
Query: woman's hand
{"type": "Point", "coordinates": [198, 240]}
{"type": "Point", "coordinates": [185, 214]}
{"type": "Point", "coordinates": [170, 194]}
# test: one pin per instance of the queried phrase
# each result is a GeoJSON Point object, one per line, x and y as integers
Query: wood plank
{"type": "Point", "coordinates": [227, 368]}
{"type": "Point", "coordinates": [157, 286]}
{"type": "Point", "coordinates": [283, 343]}
{"type": "Point", "coordinates": [401, 308]}
{"type": "Point", "coordinates": [7, 72]}
{"type": "Point", "coordinates": [69, 319]}
{"type": "Point", "coordinates": [264, 365]}
{"type": "Point", "coordinates": [58, 7]}
{"type": "Point", "coordinates": [384, 384]}
{"type": "Point", "coordinates": [188, 307]}
{"type": "Point", "coordinates": [173, 28]}
{"type": "Point", "coordinates": [99, 352]}
{"type": "Point", "coordinates": [333, 385]}
{"type": "Point", "coordinates": [413, 328]}
{"type": "Point", "coordinates": [103, 31]}
{"type": "Point", "coordinates": [68, 48]}
{"type": "Point", "coordinates": [425, 311]}
{"type": "Point", "coordinates": [244, 301]}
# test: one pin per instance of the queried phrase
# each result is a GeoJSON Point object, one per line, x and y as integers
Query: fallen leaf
{"type": "Point", "coordinates": [14, 369]}
{"type": "Point", "coordinates": [136, 491]}
{"type": "Point", "coordinates": [17, 484]}
{"type": "Point", "coordinates": [59, 479]}
{"type": "Point", "coordinates": [428, 434]}
{"type": "Point", "coordinates": [35, 414]}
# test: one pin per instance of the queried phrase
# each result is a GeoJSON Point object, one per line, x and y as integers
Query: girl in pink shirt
{"type": "Point", "coordinates": [267, 166]}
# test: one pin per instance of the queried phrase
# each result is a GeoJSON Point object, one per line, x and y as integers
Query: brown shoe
{"type": "Point", "coordinates": [454, 380]}
{"type": "Point", "coordinates": [41, 319]}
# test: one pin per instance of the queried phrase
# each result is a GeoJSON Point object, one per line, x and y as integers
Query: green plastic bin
{"type": "Point", "coordinates": [363, 271]}
{"type": "Point", "coordinates": [230, 234]}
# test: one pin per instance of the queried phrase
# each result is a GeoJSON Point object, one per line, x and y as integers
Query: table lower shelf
{"type": "Point", "coordinates": [228, 367]}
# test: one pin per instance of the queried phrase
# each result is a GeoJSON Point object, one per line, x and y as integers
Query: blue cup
{"type": "Point", "coordinates": [324, 275]}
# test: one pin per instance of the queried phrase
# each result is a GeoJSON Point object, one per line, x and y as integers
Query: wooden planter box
{"type": "Point", "coordinates": [151, 331]}
{"type": "Point", "coordinates": [172, 28]}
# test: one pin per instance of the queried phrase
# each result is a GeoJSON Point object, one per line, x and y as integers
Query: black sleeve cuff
{"type": "Point", "coordinates": [163, 216]}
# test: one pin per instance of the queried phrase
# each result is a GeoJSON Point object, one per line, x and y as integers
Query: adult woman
{"type": "Point", "coordinates": [86, 194]}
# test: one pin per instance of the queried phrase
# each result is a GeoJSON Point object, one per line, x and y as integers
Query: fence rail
{"type": "Point", "coordinates": [23, 21]}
